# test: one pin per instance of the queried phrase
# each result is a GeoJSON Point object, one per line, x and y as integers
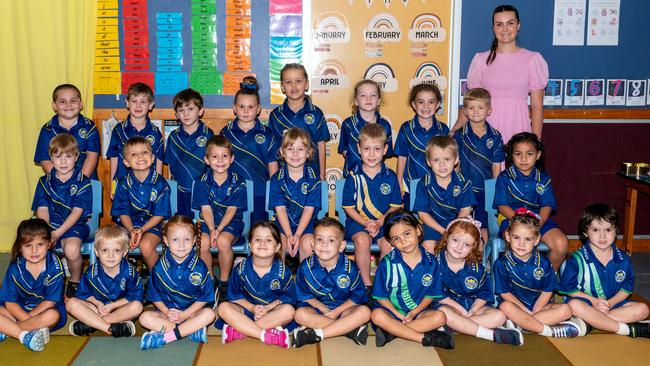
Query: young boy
{"type": "Point", "coordinates": [110, 293]}
{"type": "Point", "coordinates": [480, 148]}
{"type": "Point", "coordinates": [64, 199]}
{"type": "Point", "coordinates": [185, 150]}
{"type": "Point", "coordinates": [67, 104]}
{"type": "Point", "coordinates": [329, 290]}
{"type": "Point", "coordinates": [599, 277]}
{"type": "Point", "coordinates": [442, 194]}
{"type": "Point", "coordinates": [371, 192]}
{"type": "Point", "coordinates": [221, 196]}
{"type": "Point", "coordinates": [139, 102]}
{"type": "Point", "coordinates": [141, 200]}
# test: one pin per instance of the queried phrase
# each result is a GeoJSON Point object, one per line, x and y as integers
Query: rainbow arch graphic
{"type": "Point", "coordinates": [382, 28]}
{"type": "Point", "coordinates": [331, 27]}
{"type": "Point", "coordinates": [427, 27]}
{"type": "Point", "coordinates": [329, 74]}
{"type": "Point", "coordinates": [429, 72]}
{"type": "Point", "coordinates": [383, 75]}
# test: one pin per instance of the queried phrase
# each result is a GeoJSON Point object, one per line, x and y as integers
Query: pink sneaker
{"type": "Point", "coordinates": [230, 334]}
{"type": "Point", "coordinates": [277, 337]}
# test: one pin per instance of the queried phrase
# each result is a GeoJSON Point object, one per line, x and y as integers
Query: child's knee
{"type": "Point", "coordinates": [565, 310]}
{"type": "Point", "coordinates": [507, 307]}
{"type": "Point", "coordinates": [73, 305]}
{"type": "Point", "coordinates": [51, 316]}
{"type": "Point", "coordinates": [362, 242]}
{"type": "Point", "coordinates": [378, 316]}
{"type": "Point", "coordinates": [224, 244]}
{"type": "Point", "coordinates": [135, 307]}
{"type": "Point", "coordinates": [287, 311]}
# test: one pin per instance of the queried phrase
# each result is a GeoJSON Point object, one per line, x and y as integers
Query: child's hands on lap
{"type": "Point", "coordinates": [136, 235]}
{"type": "Point", "coordinates": [602, 306]}
{"type": "Point", "coordinates": [259, 311]}
{"type": "Point", "coordinates": [293, 245]}
{"type": "Point", "coordinates": [214, 234]}
{"type": "Point", "coordinates": [174, 315]}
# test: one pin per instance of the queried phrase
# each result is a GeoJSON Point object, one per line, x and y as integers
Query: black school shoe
{"type": "Point", "coordinates": [436, 338]}
{"type": "Point", "coordinates": [359, 336]}
{"type": "Point", "coordinates": [382, 337]}
{"type": "Point", "coordinates": [305, 336]}
{"type": "Point", "coordinates": [640, 329]}
{"type": "Point", "coordinates": [79, 329]}
{"type": "Point", "coordinates": [124, 329]}
{"type": "Point", "coordinates": [71, 289]}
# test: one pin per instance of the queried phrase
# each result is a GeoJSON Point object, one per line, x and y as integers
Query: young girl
{"type": "Point", "coordinates": [295, 194]}
{"type": "Point", "coordinates": [524, 184]}
{"type": "Point", "coordinates": [31, 297]}
{"type": "Point", "coordinates": [467, 288]}
{"type": "Point", "coordinates": [414, 134]}
{"type": "Point", "coordinates": [180, 286]}
{"type": "Point", "coordinates": [298, 111]}
{"type": "Point", "coordinates": [261, 292]}
{"type": "Point", "coordinates": [525, 281]}
{"type": "Point", "coordinates": [255, 146]}
{"type": "Point", "coordinates": [406, 284]}
{"type": "Point", "coordinates": [367, 98]}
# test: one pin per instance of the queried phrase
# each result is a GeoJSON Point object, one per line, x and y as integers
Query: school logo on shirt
{"type": "Point", "coordinates": [304, 187]}
{"type": "Point", "coordinates": [539, 188]}
{"type": "Point", "coordinates": [260, 139]}
{"type": "Point", "coordinates": [73, 189]}
{"type": "Point", "coordinates": [427, 279]}
{"type": "Point", "coordinates": [456, 191]}
{"type": "Point", "coordinates": [275, 285]}
{"type": "Point", "coordinates": [384, 189]}
{"type": "Point", "coordinates": [471, 282]}
{"type": "Point", "coordinates": [489, 143]}
{"type": "Point", "coordinates": [538, 273]}
{"type": "Point", "coordinates": [620, 275]}
{"type": "Point", "coordinates": [151, 139]}
{"type": "Point", "coordinates": [200, 141]}
{"type": "Point", "coordinates": [122, 284]}
{"type": "Point", "coordinates": [309, 118]}
{"type": "Point", "coordinates": [343, 281]}
{"type": "Point", "coordinates": [154, 195]}
{"type": "Point", "coordinates": [83, 133]}
{"type": "Point", "coordinates": [195, 278]}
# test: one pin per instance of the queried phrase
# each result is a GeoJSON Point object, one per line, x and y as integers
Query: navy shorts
{"type": "Point", "coordinates": [479, 211]}
{"type": "Point", "coordinates": [308, 230]}
{"type": "Point", "coordinates": [352, 227]}
{"type": "Point", "coordinates": [79, 230]}
{"type": "Point", "coordinates": [236, 228]}
{"type": "Point", "coordinates": [548, 226]}
{"type": "Point", "coordinates": [184, 203]}
{"type": "Point", "coordinates": [219, 323]}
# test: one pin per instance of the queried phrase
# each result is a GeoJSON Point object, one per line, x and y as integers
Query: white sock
{"type": "Point", "coordinates": [546, 332]}
{"type": "Point", "coordinates": [22, 335]}
{"type": "Point", "coordinates": [262, 335]}
{"type": "Point", "coordinates": [623, 329]}
{"type": "Point", "coordinates": [485, 333]}
{"type": "Point", "coordinates": [319, 332]}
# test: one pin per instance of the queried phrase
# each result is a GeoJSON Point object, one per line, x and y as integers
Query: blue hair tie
{"type": "Point", "coordinates": [247, 86]}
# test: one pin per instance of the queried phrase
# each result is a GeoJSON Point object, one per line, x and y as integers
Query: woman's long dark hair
{"type": "Point", "coordinates": [495, 42]}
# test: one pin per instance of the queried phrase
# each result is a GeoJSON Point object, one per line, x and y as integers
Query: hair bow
{"type": "Point", "coordinates": [527, 212]}
{"type": "Point", "coordinates": [247, 86]}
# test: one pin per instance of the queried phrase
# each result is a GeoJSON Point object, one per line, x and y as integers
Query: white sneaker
{"type": "Point", "coordinates": [582, 326]}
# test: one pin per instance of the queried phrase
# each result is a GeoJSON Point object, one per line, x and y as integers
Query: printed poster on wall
{"type": "Point", "coordinates": [604, 20]}
{"type": "Point", "coordinates": [569, 22]}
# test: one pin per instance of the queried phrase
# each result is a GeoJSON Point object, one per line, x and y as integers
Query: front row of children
{"type": "Point", "coordinates": [420, 296]}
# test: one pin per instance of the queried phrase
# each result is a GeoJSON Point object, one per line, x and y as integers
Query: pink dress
{"type": "Point", "coordinates": [509, 79]}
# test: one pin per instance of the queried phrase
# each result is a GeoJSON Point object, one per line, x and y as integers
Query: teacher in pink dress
{"type": "Point", "coordinates": [510, 73]}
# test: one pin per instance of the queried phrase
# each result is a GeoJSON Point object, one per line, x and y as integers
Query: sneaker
{"type": "Point", "coordinates": [230, 334]}
{"type": "Point", "coordinates": [200, 336]}
{"type": "Point", "coordinates": [382, 337]}
{"type": "Point", "coordinates": [436, 338]}
{"type": "Point", "coordinates": [276, 337]}
{"type": "Point", "coordinates": [305, 336]}
{"type": "Point", "coordinates": [582, 326]}
{"type": "Point", "coordinates": [511, 325]}
{"type": "Point", "coordinates": [79, 329]}
{"type": "Point", "coordinates": [220, 293]}
{"type": "Point", "coordinates": [359, 336]}
{"type": "Point", "coordinates": [2, 336]}
{"type": "Point", "coordinates": [34, 341]}
{"type": "Point", "coordinates": [71, 289]}
{"type": "Point", "coordinates": [640, 329]}
{"type": "Point", "coordinates": [46, 334]}
{"type": "Point", "coordinates": [123, 329]}
{"type": "Point", "coordinates": [566, 329]}
{"type": "Point", "coordinates": [508, 336]}
{"type": "Point", "coordinates": [152, 340]}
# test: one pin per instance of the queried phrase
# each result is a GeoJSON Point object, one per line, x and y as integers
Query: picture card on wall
{"type": "Point", "coordinates": [636, 92]}
{"type": "Point", "coordinates": [595, 92]}
{"type": "Point", "coordinates": [553, 92]}
{"type": "Point", "coordinates": [574, 92]}
{"type": "Point", "coordinates": [616, 89]}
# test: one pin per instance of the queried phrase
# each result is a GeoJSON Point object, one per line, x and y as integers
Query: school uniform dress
{"type": "Point", "coordinates": [84, 131]}
{"type": "Point", "coordinates": [254, 150]}
{"type": "Point", "coordinates": [526, 280]}
{"type": "Point", "coordinates": [370, 197]}
{"type": "Point", "coordinates": [207, 192]}
{"type": "Point", "coordinates": [20, 287]}
{"type": "Point", "coordinates": [477, 155]}
{"type": "Point", "coordinates": [332, 288]}
{"type": "Point", "coordinates": [585, 273]}
{"type": "Point", "coordinates": [310, 118]}
{"type": "Point", "coordinates": [296, 195]}
{"type": "Point", "coordinates": [443, 204]}
{"type": "Point", "coordinates": [470, 283]}
{"type": "Point", "coordinates": [125, 285]}
{"type": "Point", "coordinates": [142, 200]}
{"type": "Point", "coordinates": [179, 285]}
{"type": "Point", "coordinates": [411, 143]}
{"type": "Point", "coordinates": [61, 198]}
{"type": "Point", "coordinates": [517, 190]}
{"type": "Point", "coordinates": [349, 140]}
{"type": "Point", "coordinates": [185, 155]}
{"type": "Point", "coordinates": [404, 287]}
{"type": "Point", "coordinates": [123, 132]}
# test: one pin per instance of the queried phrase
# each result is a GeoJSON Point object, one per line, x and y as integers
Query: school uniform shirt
{"type": "Point", "coordinates": [332, 288]}
{"type": "Point", "coordinates": [141, 200]}
{"type": "Point", "coordinates": [411, 143]}
{"type": "Point", "coordinates": [123, 132]}
{"type": "Point", "coordinates": [295, 196]}
{"type": "Point", "coordinates": [246, 284]}
{"type": "Point", "coordinates": [310, 118]}
{"type": "Point", "coordinates": [468, 284]}
{"type": "Point", "coordinates": [517, 190]}
{"type": "Point", "coordinates": [477, 154]}
{"type": "Point", "coordinates": [371, 197]}
{"type": "Point", "coordinates": [254, 151]}
{"type": "Point", "coordinates": [404, 287]}
{"type": "Point", "coordinates": [179, 285]}
{"type": "Point", "coordinates": [443, 204]}
{"type": "Point", "coordinates": [125, 285]}
{"type": "Point", "coordinates": [185, 153]}
{"type": "Point", "coordinates": [349, 140]}
{"type": "Point", "coordinates": [84, 131]}
{"type": "Point", "coordinates": [525, 280]}
{"type": "Point", "coordinates": [61, 198]}
{"type": "Point", "coordinates": [584, 272]}
{"type": "Point", "coordinates": [207, 192]}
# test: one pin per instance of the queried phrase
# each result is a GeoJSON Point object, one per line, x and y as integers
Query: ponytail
{"type": "Point", "coordinates": [493, 51]}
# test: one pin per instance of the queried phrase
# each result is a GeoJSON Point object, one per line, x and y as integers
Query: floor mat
{"type": "Point", "coordinates": [126, 351]}
{"type": "Point", "coordinates": [342, 351]}
{"type": "Point", "coordinates": [252, 352]}
{"type": "Point", "coordinates": [60, 351]}
{"type": "Point", "coordinates": [604, 349]}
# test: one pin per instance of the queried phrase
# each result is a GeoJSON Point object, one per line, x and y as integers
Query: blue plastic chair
{"type": "Point", "coordinates": [324, 200]}
{"type": "Point", "coordinates": [338, 203]}
{"type": "Point", "coordinates": [412, 189]}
